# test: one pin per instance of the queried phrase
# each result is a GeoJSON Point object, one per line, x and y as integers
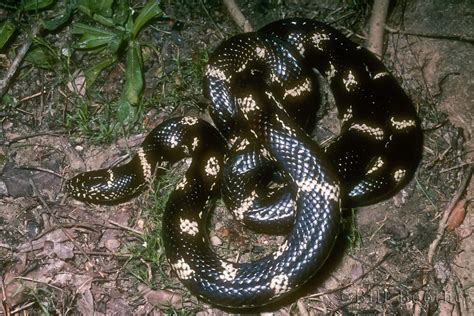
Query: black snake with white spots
{"type": "Point", "coordinates": [264, 89]}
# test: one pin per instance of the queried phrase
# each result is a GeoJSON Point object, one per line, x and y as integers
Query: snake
{"type": "Point", "coordinates": [257, 155]}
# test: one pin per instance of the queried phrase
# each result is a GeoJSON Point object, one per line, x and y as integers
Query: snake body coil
{"type": "Point", "coordinates": [264, 89]}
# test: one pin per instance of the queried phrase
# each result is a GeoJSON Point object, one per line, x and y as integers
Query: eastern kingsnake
{"type": "Point", "coordinates": [263, 87]}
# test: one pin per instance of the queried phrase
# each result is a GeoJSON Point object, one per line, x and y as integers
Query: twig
{"type": "Point", "coordinates": [102, 254]}
{"type": "Point", "coordinates": [37, 94]}
{"type": "Point", "coordinates": [460, 38]}
{"type": "Point", "coordinates": [19, 138]}
{"type": "Point", "coordinates": [212, 20]}
{"type": "Point", "coordinates": [457, 167]}
{"type": "Point", "coordinates": [39, 282]}
{"type": "Point", "coordinates": [22, 308]}
{"type": "Point", "coordinates": [377, 26]}
{"type": "Point", "coordinates": [5, 82]}
{"type": "Point", "coordinates": [237, 15]}
{"type": "Point", "coordinates": [38, 195]}
{"type": "Point", "coordinates": [139, 233]}
{"type": "Point", "coordinates": [40, 170]}
{"type": "Point", "coordinates": [345, 286]}
{"type": "Point", "coordinates": [440, 233]}
{"type": "Point", "coordinates": [302, 311]}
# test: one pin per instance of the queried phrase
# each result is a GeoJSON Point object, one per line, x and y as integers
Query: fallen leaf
{"type": "Point", "coordinates": [78, 83]}
{"type": "Point", "coordinates": [457, 215]}
{"type": "Point", "coordinates": [163, 298]}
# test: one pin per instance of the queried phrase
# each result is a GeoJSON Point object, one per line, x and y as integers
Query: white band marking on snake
{"type": "Point", "coordinates": [188, 227]}
{"type": "Point", "coordinates": [146, 167]}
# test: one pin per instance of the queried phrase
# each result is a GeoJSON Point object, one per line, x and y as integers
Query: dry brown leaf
{"type": "Point", "coordinates": [78, 83]}
{"type": "Point", "coordinates": [162, 298]}
{"type": "Point", "coordinates": [457, 215]}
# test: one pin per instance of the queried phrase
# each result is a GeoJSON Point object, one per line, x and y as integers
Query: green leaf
{"type": "Point", "coordinates": [57, 21]}
{"type": "Point", "coordinates": [7, 29]}
{"type": "Point", "coordinates": [81, 28]}
{"type": "Point", "coordinates": [34, 5]}
{"type": "Point", "coordinates": [90, 41]}
{"type": "Point", "coordinates": [93, 37]}
{"type": "Point", "coordinates": [101, 7]}
{"type": "Point", "coordinates": [150, 10]}
{"type": "Point", "coordinates": [93, 72]}
{"type": "Point", "coordinates": [124, 111]}
{"type": "Point", "coordinates": [116, 43]}
{"type": "Point", "coordinates": [41, 58]}
{"type": "Point", "coordinates": [122, 12]}
{"type": "Point", "coordinates": [133, 75]}
{"type": "Point", "coordinates": [103, 20]}
{"type": "Point", "coordinates": [129, 25]}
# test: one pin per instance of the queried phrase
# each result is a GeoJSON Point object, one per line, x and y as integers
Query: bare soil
{"type": "Point", "coordinates": [59, 256]}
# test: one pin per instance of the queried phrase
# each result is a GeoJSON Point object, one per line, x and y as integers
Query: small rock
{"type": "Point", "coordinates": [3, 189]}
{"type": "Point", "coordinates": [216, 241]}
{"type": "Point", "coordinates": [112, 245]}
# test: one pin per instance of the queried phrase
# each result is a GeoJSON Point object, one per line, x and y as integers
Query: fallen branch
{"type": "Point", "coordinates": [440, 233]}
{"type": "Point", "coordinates": [377, 27]}
{"type": "Point", "coordinates": [5, 82]}
{"type": "Point", "coordinates": [451, 37]}
{"type": "Point", "coordinates": [238, 16]}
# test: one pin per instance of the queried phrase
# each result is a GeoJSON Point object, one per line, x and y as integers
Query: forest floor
{"type": "Point", "coordinates": [60, 256]}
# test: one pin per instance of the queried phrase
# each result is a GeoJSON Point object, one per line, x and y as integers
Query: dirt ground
{"type": "Point", "coordinates": [59, 256]}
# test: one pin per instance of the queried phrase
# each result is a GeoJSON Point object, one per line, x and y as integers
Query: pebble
{"type": "Point", "coordinates": [216, 241]}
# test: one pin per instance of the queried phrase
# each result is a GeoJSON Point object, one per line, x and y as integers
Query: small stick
{"type": "Point", "coordinates": [449, 37]}
{"type": "Point", "coordinates": [237, 15]}
{"type": "Point", "coordinates": [5, 82]}
{"type": "Point", "coordinates": [139, 233]}
{"type": "Point", "coordinates": [345, 286]}
{"type": "Point", "coordinates": [40, 170]}
{"type": "Point", "coordinates": [440, 233]}
{"type": "Point", "coordinates": [39, 282]}
{"type": "Point", "coordinates": [38, 195]}
{"type": "Point", "coordinates": [20, 138]}
{"type": "Point", "coordinates": [22, 308]}
{"type": "Point", "coordinates": [37, 94]}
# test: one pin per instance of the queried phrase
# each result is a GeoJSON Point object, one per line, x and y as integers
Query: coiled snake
{"type": "Point", "coordinates": [264, 87]}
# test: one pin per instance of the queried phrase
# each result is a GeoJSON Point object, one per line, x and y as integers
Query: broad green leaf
{"type": "Point", "coordinates": [90, 41]}
{"type": "Point", "coordinates": [116, 43]}
{"type": "Point", "coordinates": [124, 111]}
{"type": "Point", "coordinates": [129, 25]}
{"type": "Point", "coordinates": [85, 9]}
{"type": "Point", "coordinates": [81, 28]}
{"type": "Point", "coordinates": [92, 72]}
{"type": "Point", "coordinates": [101, 7]}
{"type": "Point", "coordinates": [103, 20]}
{"type": "Point", "coordinates": [58, 21]}
{"type": "Point", "coordinates": [133, 75]}
{"type": "Point", "coordinates": [7, 29]}
{"type": "Point", "coordinates": [150, 10]}
{"type": "Point", "coordinates": [122, 12]}
{"type": "Point", "coordinates": [92, 37]}
{"type": "Point", "coordinates": [33, 5]}
{"type": "Point", "coordinates": [41, 58]}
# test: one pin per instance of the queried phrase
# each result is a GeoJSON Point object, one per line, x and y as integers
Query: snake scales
{"type": "Point", "coordinates": [264, 88]}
